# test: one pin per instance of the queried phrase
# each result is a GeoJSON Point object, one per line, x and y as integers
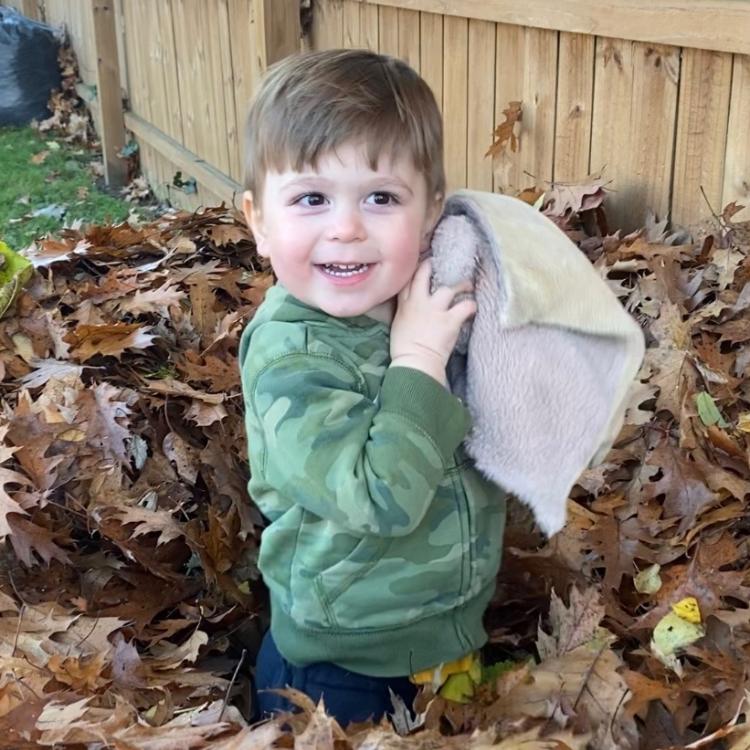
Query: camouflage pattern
{"type": "Point", "coordinates": [377, 518]}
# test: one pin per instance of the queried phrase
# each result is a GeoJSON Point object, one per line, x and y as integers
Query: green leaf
{"type": "Point", "coordinates": [14, 273]}
{"type": "Point", "coordinates": [648, 581]}
{"type": "Point", "coordinates": [707, 410]}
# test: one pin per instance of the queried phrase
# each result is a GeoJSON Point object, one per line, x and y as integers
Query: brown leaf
{"type": "Point", "coordinates": [572, 626]}
{"type": "Point", "coordinates": [110, 340]}
{"type": "Point", "coordinates": [506, 133]}
{"type": "Point", "coordinates": [684, 486]}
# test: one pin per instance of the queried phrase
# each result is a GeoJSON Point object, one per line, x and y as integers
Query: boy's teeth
{"type": "Point", "coordinates": [344, 269]}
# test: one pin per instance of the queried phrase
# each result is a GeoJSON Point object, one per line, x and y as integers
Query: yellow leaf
{"type": "Point", "coordinates": [688, 609]}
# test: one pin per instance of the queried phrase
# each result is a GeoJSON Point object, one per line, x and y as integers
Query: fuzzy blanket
{"type": "Point", "coordinates": [547, 362]}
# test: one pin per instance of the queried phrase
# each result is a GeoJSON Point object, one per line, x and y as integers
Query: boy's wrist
{"type": "Point", "coordinates": [432, 366]}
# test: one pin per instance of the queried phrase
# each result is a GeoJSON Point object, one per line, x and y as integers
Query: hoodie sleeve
{"type": "Point", "coordinates": [370, 466]}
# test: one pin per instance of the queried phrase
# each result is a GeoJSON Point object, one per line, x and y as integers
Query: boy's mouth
{"type": "Point", "coordinates": [344, 270]}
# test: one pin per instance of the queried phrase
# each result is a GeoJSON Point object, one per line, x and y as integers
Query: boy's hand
{"type": "Point", "coordinates": [425, 327]}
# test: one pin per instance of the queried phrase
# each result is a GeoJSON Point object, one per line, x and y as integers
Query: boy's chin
{"type": "Point", "coordinates": [382, 312]}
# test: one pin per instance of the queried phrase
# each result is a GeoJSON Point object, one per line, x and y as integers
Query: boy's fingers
{"type": "Point", "coordinates": [461, 312]}
{"type": "Point", "coordinates": [421, 278]}
{"type": "Point", "coordinates": [463, 287]}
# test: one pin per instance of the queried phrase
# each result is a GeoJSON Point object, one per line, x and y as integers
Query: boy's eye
{"type": "Point", "coordinates": [311, 200]}
{"type": "Point", "coordinates": [383, 198]}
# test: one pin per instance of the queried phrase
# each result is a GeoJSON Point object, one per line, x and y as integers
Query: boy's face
{"type": "Point", "coordinates": [345, 238]}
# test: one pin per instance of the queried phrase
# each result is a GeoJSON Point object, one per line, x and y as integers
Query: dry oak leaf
{"type": "Point", "coordinates": [111, 339]}
{"type": "Point", "coordinates": [562, 198]}
{"type": "Point", "coordinates": [586, 680]}
{"type": "Point", "coordinates": [506, 132]}
{"type": "Point", "coordinates": [683, 484]}
{"type": "Point", "coordinates": [173, 387]}
{"type": "Point", "coordinates": [82, 673]}
{"type": "Point", "coordinates": [644, 690]}
{"type": "Point", "coordinates": [7, 504]}
{"type": "Point", "coordinates": [28, 538]}
{"type": "Point", "coordinates": [146, 521]}
{"type": "Point", "coordinates": [229, 234]}
{"type": "Point", "coordinates": [153, 300]}
{"type": "Point", "coordinates": [100, 408]}
{"type": "Point", "coordinates": [572, 626]}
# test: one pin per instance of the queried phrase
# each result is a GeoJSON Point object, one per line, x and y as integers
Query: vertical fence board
{"type": "Point", "coordinates": [481, 103]}
{"type": "Point", "coordinates": [455, 82]}
{"type": "Point", "coordinates": [431, 53]}
{"type": "Point", "coordinates": [228, 91]}
{"type": "Point", "coordinates": [737, 169]}
{"type": "Point", "coordinates": [635, 100]}
{"type": "Point", "coordinates": [246, 69]}
{"type": "Point", "coordinates": [370, 22]}
{"type": "Point", "coordinates": [152, 62]}
{"type": "Point", "coordinates": [199, 68]}
{"type": "Point", "coordinates": [705, 85]}
{"type": "Point", "coordinates": [408, 37]}
{"type": "Point", "coordinates": [112, 126]}
{"type": "Point", "coordinates": [509, 65]}
{"type": "Point", "coordinates": [539, 92]}
{"type": "Point", "coordinates": [575, 91]}
{"type": "Point", "coordinates": [388, 30]}
{"type": "Point", "coordinates": [328, 24]}
{"type": "Point", "coordinates": [526, 62]}
{"type": "Point", "coordinates": [135, 62]}
{"type": "Point", "coordinates": [352, 24]}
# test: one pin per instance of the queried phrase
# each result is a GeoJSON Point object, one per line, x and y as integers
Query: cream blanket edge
{"type": "Point", "coordinates": [547, 364]}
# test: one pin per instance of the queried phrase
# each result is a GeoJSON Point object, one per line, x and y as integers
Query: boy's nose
{"type": "Point", "coordinates": [346, 226]}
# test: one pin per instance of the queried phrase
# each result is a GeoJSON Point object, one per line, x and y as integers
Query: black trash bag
{"type": "Point", "coordinates": [28, 68]}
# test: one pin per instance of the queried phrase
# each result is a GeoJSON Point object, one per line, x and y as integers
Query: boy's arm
{"type": "Point", "coordinates": [372, 467]}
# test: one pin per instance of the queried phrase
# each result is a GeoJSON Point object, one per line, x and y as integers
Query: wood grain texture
{"type": "Point", "coordinates": [352, 24]}
{"type": "Point", "coordinates": [388, 31]}
{"type": "Point", "coordinates": [112, 126]}
{"type": "Point", "coordinates": [328, 24]}
{"type": "Point", "coordinates": [737, 162]}
{"type": "Point", "coordinates": [575, 92]}
{"type": "Point", "coordinates": [722, 25]}
{"type": "Point", "coordinates": [199, 61]}
{"type": "Point", "coordinates": [431, 53]}
{"type": "Point", "coordinates": [705, 87]}
{"type": "Point", "coordinates": [455, 86]}
{"type": "Point", "coordinates": [480, 104]}
{"type": "Point", "coordinates": [635, 104]}
{"type": "Point", "coordinates": [409, 38]}
{"type": "Point", "coordinates": [526, 62]}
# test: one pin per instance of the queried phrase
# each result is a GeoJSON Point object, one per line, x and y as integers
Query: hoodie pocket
{"type": "Point", "coordinates": [331, 583]}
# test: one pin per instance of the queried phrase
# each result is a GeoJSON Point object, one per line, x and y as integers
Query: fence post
{"type": "Point", "coordinates": [108, 91]}
{"type": "Point", "coordinates": [31, 9]}
{"type": "Point", "coordinates": [278, 30]}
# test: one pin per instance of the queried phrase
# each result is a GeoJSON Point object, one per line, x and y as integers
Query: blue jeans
{"type": "Point", "coordinates": [348, 696]}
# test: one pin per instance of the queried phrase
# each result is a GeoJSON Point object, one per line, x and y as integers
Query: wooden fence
{"type": "Point", "coordinates": [655, 94]}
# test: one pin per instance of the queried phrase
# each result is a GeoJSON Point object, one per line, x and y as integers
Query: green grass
{"type": "Point", "coordinates": [64, 178]}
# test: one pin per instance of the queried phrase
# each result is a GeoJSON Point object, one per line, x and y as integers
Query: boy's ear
{"type": "Point", "coordinates": [254, 219]}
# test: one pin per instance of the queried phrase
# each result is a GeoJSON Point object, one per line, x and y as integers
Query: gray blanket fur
{"type": "Point", "coordinates": [546, 364]}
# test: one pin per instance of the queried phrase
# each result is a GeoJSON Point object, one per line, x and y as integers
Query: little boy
{"type": "Point", "coordinates": [383, 541]}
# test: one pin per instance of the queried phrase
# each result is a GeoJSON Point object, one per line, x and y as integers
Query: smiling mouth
{"type": "Point", "coordinates": [342, 270]}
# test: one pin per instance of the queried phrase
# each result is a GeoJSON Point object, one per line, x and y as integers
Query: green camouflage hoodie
{"type": "Point", "coordinates": [383, 541]}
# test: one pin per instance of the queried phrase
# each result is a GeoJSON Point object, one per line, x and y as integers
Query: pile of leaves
{"type": "Point", "coordinates": [129, 587]}
{"type": "Point", "coordinates": [70, 118]}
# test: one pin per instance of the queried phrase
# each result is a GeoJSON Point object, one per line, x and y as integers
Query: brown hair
{"type": "Point", "coordinates": [308, 104]}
